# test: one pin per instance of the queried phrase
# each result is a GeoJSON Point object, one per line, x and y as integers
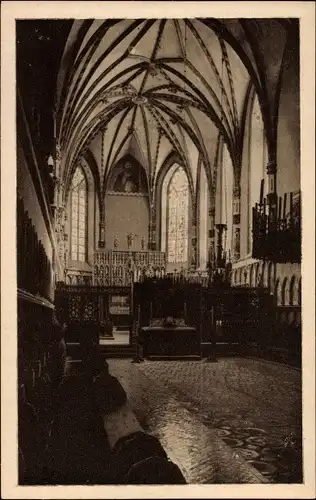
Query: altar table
{"type": "Point", "coordinates": [164, 342]}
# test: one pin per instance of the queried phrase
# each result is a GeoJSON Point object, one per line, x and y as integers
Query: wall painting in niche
{"type": "Point", "coordinates": [130, 179]}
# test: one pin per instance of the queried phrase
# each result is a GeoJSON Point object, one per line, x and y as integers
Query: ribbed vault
{"type": "Point", "coordinates": [152, 86]}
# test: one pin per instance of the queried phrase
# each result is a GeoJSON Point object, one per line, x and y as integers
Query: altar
{"type": "Point", "coordinates": [161, 342]}
{"type": "Point", "coordinates": [168, 319]}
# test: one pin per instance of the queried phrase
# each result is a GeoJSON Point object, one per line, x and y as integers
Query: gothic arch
{"type": "Point", "coordinates": [254, 141]}
{"type": "Point", "coordinates": [264, 274]}
{"type": "Point", "coordinates": [257, 265]}
{"type": "Point", "coordinates": [90, 181]}
{"type": "Point", "coordinates": [277, 294]}
{"type": "Point", "coordinates": [175, 218]}
{"type": "Point", "coordinates": [172, 159]}
{"type": "Point", "coordinates": [284, 296]}
{"type": "Point", "coordinates": [118, 169]}
{"type": "Point", "coordinates": [90, 207]}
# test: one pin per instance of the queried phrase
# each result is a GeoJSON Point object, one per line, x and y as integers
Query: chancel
{"type": "Point", "coordinates": [158, 251]}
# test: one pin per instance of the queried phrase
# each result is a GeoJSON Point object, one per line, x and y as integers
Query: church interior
{"type": "Point", "coordinates": [158, 251]}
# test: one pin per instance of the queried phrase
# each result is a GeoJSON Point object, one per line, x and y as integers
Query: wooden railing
{"type": "Point", "coordinates": [277, 232]}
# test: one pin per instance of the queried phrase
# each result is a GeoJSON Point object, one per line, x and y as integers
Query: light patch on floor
{"type": "Point", "coordinates": [223, 422]}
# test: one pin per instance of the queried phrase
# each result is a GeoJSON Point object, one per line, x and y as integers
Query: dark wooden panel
{"type": "Point", "coordinates": [170, 342]}
{"type": "Point", "coordinates": [89, 307]}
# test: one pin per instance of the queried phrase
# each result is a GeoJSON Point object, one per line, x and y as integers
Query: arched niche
{"type": "Point", "coordinates": [175, 218]}
{"type": "Point", "coordinates": [253, 169]}
{"type": "Point", "coordinates": [91, 201]}
{"type": "Point", "coordinates": [270, 276]}
{"type": "Point", "coordinates": [277, 292]}
{"type": "Point", "coordinates": [126, 206]}
{"type": "Point", "coordinates": [202, 197]}
{"type": "Point", "coordinates": [224, 197]}
{"type": "Point", "coordinates": [128, 176]}
{"type": "Point", "coordinates": [252, 281]}
{"type": "Point", "coordinates": [257, 273]}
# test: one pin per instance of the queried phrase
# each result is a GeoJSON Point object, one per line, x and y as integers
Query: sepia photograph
{"type": "Point", "coordinates": [158, 210]}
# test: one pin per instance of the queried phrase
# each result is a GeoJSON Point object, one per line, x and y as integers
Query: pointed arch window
{"type": "Point", "coordinates": [178, 217]}
{"type": "Point", "coordinates": [258, 155]}
{"type": "Point", "coordinates": [78, 216]}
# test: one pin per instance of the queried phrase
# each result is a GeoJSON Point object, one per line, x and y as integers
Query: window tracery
{"type": "Point", "coordinates": [78, 216]}
{"type": "Point", "coordinates": [177, 217]}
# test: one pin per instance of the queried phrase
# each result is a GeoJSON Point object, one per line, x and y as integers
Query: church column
{"type": "Point", "coordinates": [152, 240]}
{"type": "Point", "coordinates": [211, 246]}
{"type": "Point", "coordinates": [194, 240]}
{"type": "Point", "coordinates": [102, 230]}
{"type": "Point", "coordinates": [220, 216]}
{"type": "Point", "coordinates": [272, 195]}
{"type": "Point", "coordinates": [101, 242]}
{"type": "Point", "coordinates": [272, 199]}
{"type": "Point", "coordinates": [59, 212]}
{"type": "Point", "coordinates": [236, 223]}
{"type": "Point", "coordinates": [220, 233]}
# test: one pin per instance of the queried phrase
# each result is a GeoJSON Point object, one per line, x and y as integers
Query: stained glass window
{"type": "Point", "coordinates": [177, 217]}
{"type": "Point", "coordinates": [257, 163]}
{"type": "Point", "coordinates": [78, 216]}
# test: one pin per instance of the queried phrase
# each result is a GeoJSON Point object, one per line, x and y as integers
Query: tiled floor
{"type": "Point", "coordinates": [238, 420]}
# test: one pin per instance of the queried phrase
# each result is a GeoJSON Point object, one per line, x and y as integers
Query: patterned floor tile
{"type": "Point", "coordinates": [249, 406]}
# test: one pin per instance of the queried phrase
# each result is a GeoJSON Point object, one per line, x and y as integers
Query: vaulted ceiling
{"type": "Point", "coordinates": [149, 87]}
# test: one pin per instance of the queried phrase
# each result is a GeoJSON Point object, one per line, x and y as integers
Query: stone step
{"type": "Point", "coordinates": [117, 353]}
{"type": "Point", "coordinates": [108, 351]}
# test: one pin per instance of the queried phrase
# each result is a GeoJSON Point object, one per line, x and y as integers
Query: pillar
{"type": "Point", "coordinates": [152, 228]}
{"type": "Point", "coordinates": [211, 242]}
{"type": "Point", "coordinates": [272, 194]}
{"type": "Point", "coordinates": [220, 233]}
{"type": "Point", "coordinates": [193, 256]}
{"type": "Point", "coordinates": [236, 223]}
{"type": "Point", "coordinates": [102, 231]}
